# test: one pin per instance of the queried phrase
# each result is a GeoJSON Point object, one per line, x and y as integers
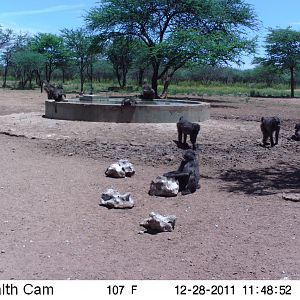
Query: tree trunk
{"type": "Point", "coordinates": [167, 80]}
{"type": "Point", "coordinates": [118, 75]}
{"type": "Point", "coordinates": [81, 75]}
{"type": "Point", "coordinates": [5, 76]}
{"type": "Point", "coordinates": [155, 79]}
{"type": "Point", "coordinates": [91, 78]}
{"type": "Point", "coordinates": [141, 76]}
{"type": "Point", "coordinates": [164, 93]}
{"type": "Point", "coordinates": [47, 73]}
{"type": "Point", "coordinates": [292, 83]}
{"type": "Point", "coordinates": [38, 79]}
{"type": "Point", "coordinates": [124, 79]}
{"type": "Point", "coordinates": [30, 81]}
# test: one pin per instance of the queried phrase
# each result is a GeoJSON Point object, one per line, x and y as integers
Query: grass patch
{"type": "Point", "coordinates": [184, 87]}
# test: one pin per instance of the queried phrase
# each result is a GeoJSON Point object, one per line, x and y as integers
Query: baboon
{"type": "Point", "coordinates": [53, 92]}
{"type": "Point", "coordinates": [268, 126]}
{"type": "Point", "coordinates": [296, 136]}
{"type": "Point", "coordinates": [185, 128]}
{"type": "Point", "coordinates": [188, 174]}
{"type": "Point", "coordinates": [148, 92]}
{"type": "Point", "coordinates": [129, 101]}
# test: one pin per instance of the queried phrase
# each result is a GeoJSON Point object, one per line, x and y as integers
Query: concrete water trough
{"type": "Point", "coordinates": [95, 108]}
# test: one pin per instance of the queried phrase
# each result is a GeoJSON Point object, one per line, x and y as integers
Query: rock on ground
{"type": "Point", "coordinates": [113, 199]}
{"type": "Point", "coordinates": [159, 223]}
{"type": "Point", "coordinates": [163, 186]}
{"type": "Point", "coordinates": [121, 169]}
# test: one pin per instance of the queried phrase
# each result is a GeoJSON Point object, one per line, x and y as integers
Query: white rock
{"type": "Point", "coordinates": [122, 168]}
{"type": "Point", "coordinates": [113, 199]}
{"type": "Point", "coordinates": [115, 171]}
{"type": "Point", "coordinates": [163, 186]}
{"type": "Point", "coordinates": [127, 167]}
{"type": "Point", "coordinates": [159, 223]}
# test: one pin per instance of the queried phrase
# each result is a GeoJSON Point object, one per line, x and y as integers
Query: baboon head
{"type": "Point", "coordinates": [189, 155]}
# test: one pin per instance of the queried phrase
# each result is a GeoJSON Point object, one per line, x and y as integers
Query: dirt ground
{"type": "Point", "coordinates": [237, 226]}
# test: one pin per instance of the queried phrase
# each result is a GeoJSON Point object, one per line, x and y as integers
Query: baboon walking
{"type": "Point", "coordinates": [268, 126]}
{"type": "Point", "coordinates": [185, 128]}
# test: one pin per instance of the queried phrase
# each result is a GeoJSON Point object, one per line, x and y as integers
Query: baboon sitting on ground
{"type": "Point", "coordinates": [296, 136]}
{"type": "Point", "coordinates": [188, 174]}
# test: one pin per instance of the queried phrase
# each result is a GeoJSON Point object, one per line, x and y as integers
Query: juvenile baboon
{"type": "Point", "coordinates": [185, 128]}
{"type": "Point", "coordinates": [268, 126]}
{"type": "Point", "coordinates": [188, 174]}
{"type": "Point", "coordinates": [296, 136]}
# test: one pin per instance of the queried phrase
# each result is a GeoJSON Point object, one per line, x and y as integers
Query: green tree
{"type": "Point", "coordinates": [282, 52]}
{"type": "Point", "coordinates": [15, 42]}
{"type": "Point", "coordinates": [27, 64]}
{"type": "Point", "coordinates": [5, 36]}
{"type": "Point", "coordinates": [267, 74]}
{"type": "Point", "coordinates": [176, 32]}
{"type": "Point", "coordinates": [52, 47]}
{"type": "Point", "coordinates": [121, 54]}
{"type": "Point", "coordinates": [80, 43]}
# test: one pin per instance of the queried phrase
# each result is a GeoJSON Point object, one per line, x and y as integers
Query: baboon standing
{"type": "Point", "coordinates": [268, 126]}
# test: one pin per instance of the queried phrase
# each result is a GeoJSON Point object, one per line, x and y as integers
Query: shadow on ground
{"type": "Point", "coordinates": [265, 181]}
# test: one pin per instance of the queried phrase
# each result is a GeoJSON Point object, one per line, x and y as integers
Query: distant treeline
{"type": "Point", "coordinates": [206, 75]}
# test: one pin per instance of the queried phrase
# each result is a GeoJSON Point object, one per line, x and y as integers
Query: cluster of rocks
{"type": "Point", "coordinates": [162, 186]}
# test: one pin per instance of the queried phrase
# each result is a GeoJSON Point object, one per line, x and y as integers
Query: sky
{"type": "Point", "coordinates": [51, 16]}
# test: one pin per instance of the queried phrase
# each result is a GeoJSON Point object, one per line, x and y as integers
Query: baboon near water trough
{"type": "Point", "coordinates": [188, 174]}
{"type": "Point", "coordinates": [148, 92]}
{"type": "Point", "coordinates": [54, 92]}
{"type": "Point", "coordinates": [129, 101]}
{"type": "Point", "coordinates": [268, 126]}
{"type": "Point", "coordinates": [186, 128]}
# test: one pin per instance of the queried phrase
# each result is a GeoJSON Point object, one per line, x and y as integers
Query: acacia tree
{"type": "Point", "coordinates": [5, 36]}
{"type": "Point", "coordinates": [15, 43]}
{"type": "Point", "coordinates": [121, 54]}
{"type": "Point", "coordinates": [27, 64]}
{"type": "Point", "coordinates": [80, 44]}
{"type": "Point", "coordinates": [178, 31]}
{"type": "Point", "coordinates": [52, 47]}
{"type": "Point", "coordinates": [282, 52]}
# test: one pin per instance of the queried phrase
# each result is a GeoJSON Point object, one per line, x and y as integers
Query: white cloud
{"type": "Point", "coordinates": [41, 11]}
{"type": "Point", "coordinates": [18, 28]}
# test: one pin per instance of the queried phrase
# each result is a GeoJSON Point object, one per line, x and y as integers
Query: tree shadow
{"type": "Point", "coordinates": [264, 181]}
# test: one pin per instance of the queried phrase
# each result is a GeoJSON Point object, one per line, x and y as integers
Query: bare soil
{"type": "Point", "coordinates": [237, 226]}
